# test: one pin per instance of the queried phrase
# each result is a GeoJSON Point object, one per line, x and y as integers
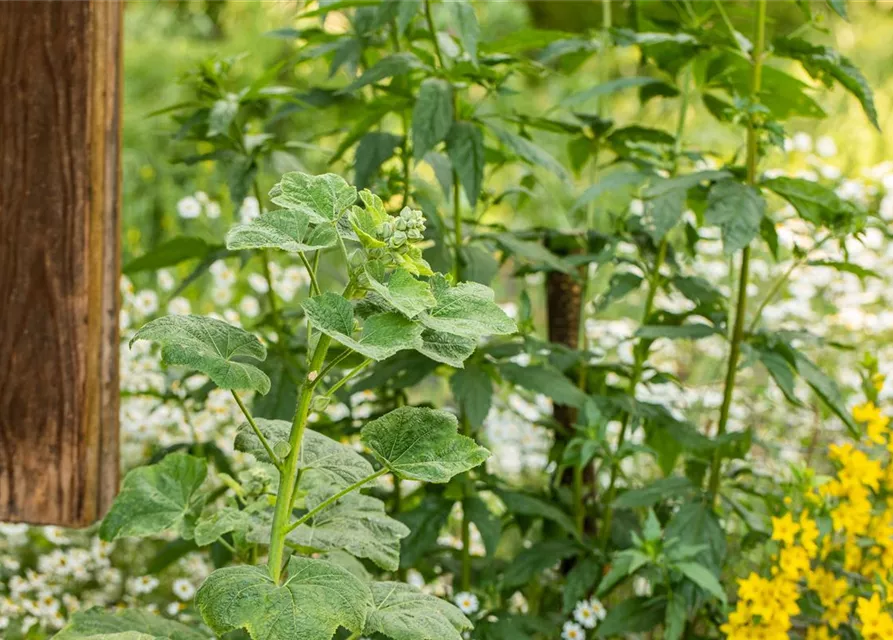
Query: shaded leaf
{"type": "Point", "coordinates": [374, 149]}
{"type": "Point", "coordinates": [447, 348]}
{"type": "Point", "coordinates": [432, 116]}
{"type": "Point", "coordinates": [465, 148]}
{"type": "Point", "coordinates": [473, 390]}
{"type": "Point", "coordinates": [170, 253]}
{"type": "Point", "coordinates": [357, 524]}
{"type": "Point", "coordinates": [156, 498]}
{"type": "Point", "coordinates": [738, 210]}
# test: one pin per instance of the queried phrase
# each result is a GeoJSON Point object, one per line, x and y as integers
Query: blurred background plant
{"type": "Point", "coordinates": [568, 113]}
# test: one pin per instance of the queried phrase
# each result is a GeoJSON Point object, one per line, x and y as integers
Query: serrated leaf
{"type": "Point", "coordinates": [447, 348]}
{"type": "Point", "coordinates": [823, 62]}
{"type": "Point", "coordinates": [401, 290]}
{"type": "Point", "coordinates": [208, 345]}
{"type": "Point", "coordinates": [375, 149]}
{"type": "Point", "coordinates": [607, 88]}
{"type": "Point", "coordinates": [432, 116]}
{"type": "Point", "coordinates": [357, 524]}
{"type": "Point", "coordinates": [469, 29]}
{"type": "Point", "coordinates": [209, 528]}
{"type": "Point", "coordinates": [402, 612]}
{"type": "Point", "coordinates": [524, 504]}
{"type": "Point", "coordinates": [738, 210]}
{"type": "Point", "coordinates": [653, 493]}
{"type": "Point", "coordinates": [316, 598]}
{"type": "Point", "coordinates": [288, 230]}
{"type": "Point", "coordinates": [130, 624]}
{"type": "Point", "coordinates": [394, 65]}
{"type": "Point", "coordinates": [156, 498]}
{"type": "Point", "coordinates": [170, 253]}
{"type": "Point", "coordinates": [221, 116]}
{"type": "Point", "coordinates": [662, 213]}
{"type": "Point", "coordinates": [331, 462]}
{"type": "Point", "coordinates": [422, 444]}
{"type": "Point", "coordinates": [322, 198]}
{"type": "Point", "coordinates": [466, 310]}
{"type": "Point", "coordinates": [488, 524]}
{"type": "Point", "coordinates": [813, 202]}
{"type": "Point", "coordinates": [381, 335]}
{"type": "Point", "coordinates": [473, 390]}
{"type": "Point", "coordinates": [703, 577]}
{"type": "Point", "coordinates": [465, 148]}
{"type": "Point", "coordinates": [545, 380]}
{"type": "Point", "coordinates": [530, 152]}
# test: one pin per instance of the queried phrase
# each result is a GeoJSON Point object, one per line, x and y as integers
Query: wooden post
{"type": "Point", "coordinates": [59, 259]}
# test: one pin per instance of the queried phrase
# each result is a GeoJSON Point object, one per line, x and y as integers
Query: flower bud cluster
{"type": "Point", "coordinates": [403, 229]}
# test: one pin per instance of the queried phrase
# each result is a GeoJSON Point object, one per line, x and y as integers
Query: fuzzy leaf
{"type": "Point", "coordinates": [130, 624]}
{"type": "Point", "coordinates": [402, 290]}
{"type": "Point", "coordinates": [331, 462]}
{"type": "Point", "coordinates": [432, 116]}
{"type": "Point", "coordinates": [381, 336]}
{"type": "Point", "coordinates": [466, 310]}
{"type": "Point", "coordinates": [357, 524]}
{"type": "Point", "coordinates": [447, 348]}
{"type": "Point", "coordinates": [316, 598]}
{"type": "Point", "coordinates": [738, 210]}
{"type": "Point", "coordinates": [813, 202]}
{"type": "Point", "coordinates": [322, 198]}
{"type": "Point", "coordinates": [209, 528]}
{"type": "Point", "coordinates": [825, 63]}
{"type": "Point", "coordinates": [465, 147]}
{"type": "Point", "coordinates": [288, 230]}
{"type": "Point", "coordinates": [155, 498]}
{"type": "Point", "coordinates": [422, 444]}
{"type": "Point", "coordinates": [208, 345]}
{"type": "Point", "coordinates": [398, 64]}
{"type": "Point", "coordinates": [402, 612]}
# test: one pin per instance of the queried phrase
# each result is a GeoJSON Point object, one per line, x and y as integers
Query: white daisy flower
{"type": "Point", "coordinates": [584, 614]}
{"type": "Point", "coordinates": [598, 608]}
{"type": "Point", "coordinates": [189, 207]}
{"type": "Point", "coordinates": [467, 602]}
{"type": "Point", "coordinates": [183, 589]}
{"type": "Point", "coordinates": [572, 631]}
{"type": "Point", "coordinates": [179, 306]}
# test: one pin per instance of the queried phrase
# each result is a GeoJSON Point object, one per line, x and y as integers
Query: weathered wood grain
{"type": "Point", "coordinates": [59, 261]}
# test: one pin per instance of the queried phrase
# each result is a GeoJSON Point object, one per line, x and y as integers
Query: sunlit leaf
{"type": "Point", "coordinates": [402, 612]}
{"type": "Point", "coordinates": [422, 444]}
{"type": "Point", "coordinates": [210, 346]}
{"type": "Point", "coordinates": [322, 198]}
{"type": "Point", "coordinates": [315, 599]}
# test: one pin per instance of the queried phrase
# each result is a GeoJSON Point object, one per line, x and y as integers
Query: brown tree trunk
{"type": "Point", "coordinates": [59, 262]}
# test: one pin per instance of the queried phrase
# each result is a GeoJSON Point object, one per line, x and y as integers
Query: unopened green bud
{"type": "Point", "coordinates": [320, 403]}
{"type": "Point", "coordinates": [281, 449]}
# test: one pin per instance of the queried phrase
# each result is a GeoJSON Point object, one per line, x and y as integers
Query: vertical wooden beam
{"type": "Point", "coordinates": [59, 259]}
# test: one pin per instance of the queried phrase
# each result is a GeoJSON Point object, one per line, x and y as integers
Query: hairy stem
{"type": "Point", "coordinates": [314, 285]}
{"type": "Point", "coordinates": [741, 306]}
{"type": "Point", "coordinates": [335, 498]}
{"type": "Point", "coordinates": [289, 477]}
{"type": "Point", "coordinates": [257, 431]}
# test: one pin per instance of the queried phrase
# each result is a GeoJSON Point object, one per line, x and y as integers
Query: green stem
{"type": "Point", "coordinates": [638, 367]}
{"type": "Point", "coordinates": [579, 509]}
{"type": "Point", "coordinates": [335, 498]}
{"type": "Point", "coordinates": [348, 377]}
{"type": "Point", "coordinates": [457, 229]}
{"type": "Point", "coordinates": [289, 477]}
{"type": "Point", "coordinates": [257, 431]}
{"type": "Point", "coordinates": [314, 285]}
{"type": "Point", "coordinates": [430, 20]}
{"type": "Point", "coordinates": [741, 307]}
{"type": "Point", "coordinates": [467, 491]}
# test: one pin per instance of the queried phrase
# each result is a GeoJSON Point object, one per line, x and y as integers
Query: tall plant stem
{"type": "Point", "coordinates": [429, 18]}
{"type": "Point", "coordinates": [744, 273]}
{"type": "Point", "coordinates": [288, 479]}
{"type": "Point", "coordinates": [641, 355]}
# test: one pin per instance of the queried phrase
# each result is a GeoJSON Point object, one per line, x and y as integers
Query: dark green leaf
{"type": "Point", "coordinates": [738, 210]}
{"type": "Point", "coordinates": [465, 147]}
{"type": "Point", "coordinates": [545, 380]}
{"type": "Point", "coordinates": [658, 490]}
{"type": "Point", "coordinates": [432, 116]}
{"type": "Point", "coordinates": [170, 253]}
{"type": "Point", "coordinates": [473, 391]}
{"type": "Point", "coordinates": [633, 615]}
{"type": "Point", "coordinates": [374, 149]}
